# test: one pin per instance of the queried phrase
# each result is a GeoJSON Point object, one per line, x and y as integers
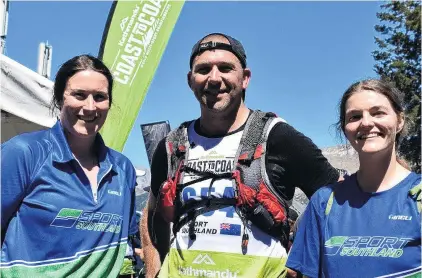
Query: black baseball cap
{"type": "Point", "coordinates": [234, 47]}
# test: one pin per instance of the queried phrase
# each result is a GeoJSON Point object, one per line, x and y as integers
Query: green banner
{"type": "Point", "coordinates": [134, 40]}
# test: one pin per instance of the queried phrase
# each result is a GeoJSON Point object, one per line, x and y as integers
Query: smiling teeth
{"type": "Point", "coordinates": [87, 119]}
{"type": "Point", "coordinates": [371, 135]}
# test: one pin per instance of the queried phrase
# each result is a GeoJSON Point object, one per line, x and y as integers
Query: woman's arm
{"type": "Point", "coordinates": [16, 165]}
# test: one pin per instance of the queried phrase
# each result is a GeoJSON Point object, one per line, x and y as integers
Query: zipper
{"type": "Point", "coordinates": [95, 194]}
{"type": "Point", "coordinates": [94, 191]}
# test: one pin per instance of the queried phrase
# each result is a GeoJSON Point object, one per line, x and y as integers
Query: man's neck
{"type": "Point", "coordinates": [379, 172]}
{"type": "Point", "coordinates": [220, 124]}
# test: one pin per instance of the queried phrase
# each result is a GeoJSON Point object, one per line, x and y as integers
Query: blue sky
{"type": "Point", "coordinates": [303, 55]}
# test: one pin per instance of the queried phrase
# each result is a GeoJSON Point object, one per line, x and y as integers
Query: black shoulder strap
{"type": "Point", "coordinates": [250, 147]}
{"type": "Point", "coordinates": [252, 135]}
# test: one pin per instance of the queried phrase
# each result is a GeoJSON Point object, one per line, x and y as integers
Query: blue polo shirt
{"type": "Point", "coordinates": [363, 235]}
{"type": "Point", "coordinates": [51, 224]}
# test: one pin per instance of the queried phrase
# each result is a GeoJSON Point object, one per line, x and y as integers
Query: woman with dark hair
{"type": "Point", "coordinates": [368, 225]}
{"type": "Point", "coordinates": [68, 201]}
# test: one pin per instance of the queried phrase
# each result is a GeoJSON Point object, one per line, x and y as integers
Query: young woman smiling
{"type": "Point", "coordinates": [368, 225]}
{"type": "Point", "coordinates": [67, 200]}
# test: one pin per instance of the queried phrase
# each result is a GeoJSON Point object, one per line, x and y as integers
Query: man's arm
{"type": "Point", "coordinates": [155, 232]}
{"type": "Point", "coordinates": [155, 235]}
{"type": "Point", "coordinates": [294, 160]}
{"type": "Point", "coordinates": [305, 255]}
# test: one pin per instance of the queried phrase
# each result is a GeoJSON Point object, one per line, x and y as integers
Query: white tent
{"type": "Point", "coordinates": [25, 100]}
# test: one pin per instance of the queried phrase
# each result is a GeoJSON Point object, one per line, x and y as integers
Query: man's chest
{"type": "Point", "coordinates": [212, 158]}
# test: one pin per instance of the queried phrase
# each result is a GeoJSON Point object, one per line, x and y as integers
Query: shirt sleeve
{"type": "Point", "coordinates": [159, 167]}
{"type": "Point", "coordinates": [16, 169]}
{"type": "Point", "coordinates": [304, 256]}
{"type": "Point", "coordinates": [293, 160]}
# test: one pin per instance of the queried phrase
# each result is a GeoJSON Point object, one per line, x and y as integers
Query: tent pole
{"type": "Point", "coordinates": [4, 18]}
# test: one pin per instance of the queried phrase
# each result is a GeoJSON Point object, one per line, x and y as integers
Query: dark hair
{"type": "Point", "coordinates": [70, 68]}
{"type": "Point", "coordinates": [387, 89]}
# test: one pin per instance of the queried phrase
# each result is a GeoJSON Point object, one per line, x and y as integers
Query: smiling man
{"type": "Point", "coordinates": [223, 180]}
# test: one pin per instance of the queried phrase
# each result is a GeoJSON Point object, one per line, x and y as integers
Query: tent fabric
{"type": "Point", "coordinates": [12, 125]}
{"type": "Point", "coordinates": [25, 99]}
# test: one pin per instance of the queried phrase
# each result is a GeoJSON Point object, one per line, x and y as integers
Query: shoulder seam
{"type": "Point", "coordinates": [126, 159]}
{"type": "Point", "coordinates": [42, 164]}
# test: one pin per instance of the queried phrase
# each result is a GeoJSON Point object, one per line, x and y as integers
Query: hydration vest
{"type": "Point", "coordinates": [255, 199]}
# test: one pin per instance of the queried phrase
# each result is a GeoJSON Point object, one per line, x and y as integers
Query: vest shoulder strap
{"type": "Point", "coordinates": [251, 145]}
{"type": "Point", "coordinates": [330, 200]}
{"type": "Point", "coordinates": [254, 134]}
{"type": "Point", "coordinates": [250, 156]}
{"type": "Point", "coordinates": [415, 193]}
{"type": "Point", "coordinates": [329, 203]}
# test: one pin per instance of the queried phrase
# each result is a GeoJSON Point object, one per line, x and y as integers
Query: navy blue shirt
{"type": "Point", "coordinates": [51, 223]}
{"type": "Point", "coordinates": [363, 235]}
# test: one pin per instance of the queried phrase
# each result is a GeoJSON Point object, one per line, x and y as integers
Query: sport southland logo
{"type": "Point", "coordinates": [88, 220]}
{"type": "Point", "coordinates": [66, 217]}
{"type": "Point", "coordinates": [366, 246]}
{"type": "Point", "coordinates": [203, 259]}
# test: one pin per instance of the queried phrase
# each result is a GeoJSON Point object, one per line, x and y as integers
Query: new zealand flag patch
{"type": "Point", "coordinates": [230, 229]}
